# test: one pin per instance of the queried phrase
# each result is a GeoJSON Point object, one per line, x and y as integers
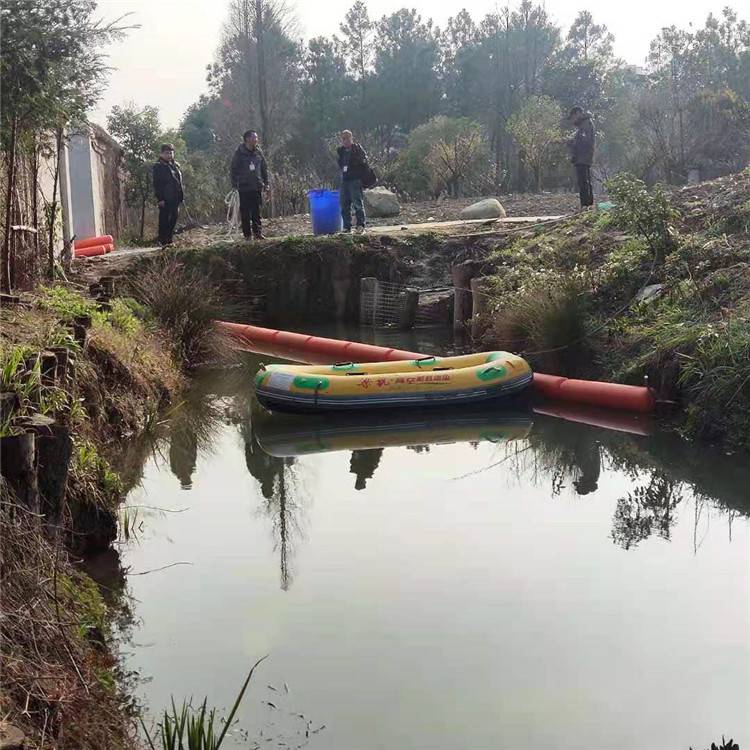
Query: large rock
{"type": "Point", "coordinates": [381, 202]}
{"type": "Point", "coordinates": [490, 208]}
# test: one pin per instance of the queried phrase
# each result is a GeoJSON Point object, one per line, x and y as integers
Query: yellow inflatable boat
{"type": "Point", "coordinates": [429, 381]}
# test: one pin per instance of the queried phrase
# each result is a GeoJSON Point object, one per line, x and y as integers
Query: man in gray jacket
{"type": "Point", "coordinates": [249, 175]}
{"type": "Point", "coordinates": [582, 153]}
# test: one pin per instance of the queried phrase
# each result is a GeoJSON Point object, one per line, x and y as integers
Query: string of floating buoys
{"type": "Point", "coordinates": [318, 350]}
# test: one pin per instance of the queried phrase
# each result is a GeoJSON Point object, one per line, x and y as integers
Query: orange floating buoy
{"type": "Point", "coordinates": [105, 239]}
{"type": "Point", "coordinates": [90, 252]}
{"type": "Point", "coordinates": [302, 347]}
{"type": "Point", "coordinates": [595, 393]}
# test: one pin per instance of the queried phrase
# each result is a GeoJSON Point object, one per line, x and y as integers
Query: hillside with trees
{"type": "Point", "coordinates": [490, 91]}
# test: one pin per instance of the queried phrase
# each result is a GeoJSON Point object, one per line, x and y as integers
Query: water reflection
{"type": "Point", "coordinates": [567, 456]}
{"type": "Point", "coordinates": [361, 552]}
{"type": "Point", "coordinates": [363, 464]}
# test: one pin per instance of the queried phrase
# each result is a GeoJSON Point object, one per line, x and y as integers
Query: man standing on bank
{"type": "Point", "coordinates": [169, 194]}
{"type": "Point", "coordinates": [249, 176]}
{"type": "Point", "coordinates": [582, 153]}
{"type": "Point", "coordinates": [353, 165]}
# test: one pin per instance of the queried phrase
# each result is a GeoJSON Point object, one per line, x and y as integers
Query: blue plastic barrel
{"type": "Point", "coordinates": [325, 211]}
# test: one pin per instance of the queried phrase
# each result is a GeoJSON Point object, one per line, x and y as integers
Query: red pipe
{"type": "Point", "coordinates": [89, 252]}
{"type": "Point", "coordinates": [104, 239]}
{"type": "Point", "coordinates": [315, 350]}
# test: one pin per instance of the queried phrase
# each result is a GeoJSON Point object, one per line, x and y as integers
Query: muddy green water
{"type": "Point", "coordinates": [492, 580]}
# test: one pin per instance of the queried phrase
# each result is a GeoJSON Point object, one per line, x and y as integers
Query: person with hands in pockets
{"type": "Point", "coordinates": [353, 165]}
{"type": "Point", "coordinates": [249, 175]}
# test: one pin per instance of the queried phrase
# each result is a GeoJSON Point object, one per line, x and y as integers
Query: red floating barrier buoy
{"type": "Point", "coordinates": [317, 350]}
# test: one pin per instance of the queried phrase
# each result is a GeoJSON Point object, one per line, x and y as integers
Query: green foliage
{"type": "Point", "coordinates": [622, 265]}
{"type": "Point", "coordinates": [95, 481]}
{"type": "Point", "coordinates": [122, 317]}
{"type": "Point", "coordinates": [138, 130]}
{"type": "Point", "coordinates": [647, 213]}
{"type": "Point", "coordinates": [546, 320]}
{"type": "Point", "coordinates": [66, 302]}
{"type": "Point", "coordinates": [189, 728]}
{"type": "Point", "coordinates": [87, 603]}
{"type": "Point", "coordinates": [444, 153]}
{"type": "Point", "coordinates": [536, 129]}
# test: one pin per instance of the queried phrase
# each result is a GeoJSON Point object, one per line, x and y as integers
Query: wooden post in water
{"type": "Point", "coordinates": [19, 469]}
{"type": "Point", "coordinates": [462, 275]}
{"type": "Point", "coordinates": [408, 315]}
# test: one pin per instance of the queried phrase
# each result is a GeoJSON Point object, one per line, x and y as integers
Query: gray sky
{"type": "Point", "coordinates": [163, 63]}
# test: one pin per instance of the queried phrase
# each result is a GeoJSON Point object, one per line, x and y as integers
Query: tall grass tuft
{"type": "Point", "coordinates": [186, 304]}
{"type": "Point", "coordinates": [188, 728]}
{"type": "Point", "coordinates": [546, 321]}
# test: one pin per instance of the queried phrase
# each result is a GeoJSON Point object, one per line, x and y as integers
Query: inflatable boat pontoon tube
{"type": "Point", "coordinates": [428, 381]}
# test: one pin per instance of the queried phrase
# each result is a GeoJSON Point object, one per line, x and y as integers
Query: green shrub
{"type": "Point", "coordinates": [121, 316]}
{"type": "Point", "coordinates": [66, 302]}
{"type": "Point", "coordinates": [647, 213]}
{"type": "Point", "coordinates": [546, 321]}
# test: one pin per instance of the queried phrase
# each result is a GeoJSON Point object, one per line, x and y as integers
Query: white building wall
{"type": "Point", "coordinates": [85, 200]}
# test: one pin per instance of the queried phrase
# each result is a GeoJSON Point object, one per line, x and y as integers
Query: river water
{"type": "Point", "coordinates": [484, 580]}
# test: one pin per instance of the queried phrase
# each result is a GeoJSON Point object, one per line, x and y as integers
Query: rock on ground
{"type": "Point", "coordinates": [490, 208]}
{"type": "Point", "coordinates": [380, 202]}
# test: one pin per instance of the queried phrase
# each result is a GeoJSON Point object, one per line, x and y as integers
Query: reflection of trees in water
{"type": "Point", "coordinates": [648, 509]}
{"type": "Point", "coordinates": [568, 458]}
{"type": "Point", "coordinates": [282, 490]}
{"type": "Point", "coordinates": [363, 464]}
{"type": "Point", "coordinates": [664, 471]}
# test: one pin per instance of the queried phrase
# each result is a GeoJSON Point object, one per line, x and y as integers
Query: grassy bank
{"type": "Point", "coordinates": [83, 377]}
{"type": "Point", "coordinates": [657, 288]}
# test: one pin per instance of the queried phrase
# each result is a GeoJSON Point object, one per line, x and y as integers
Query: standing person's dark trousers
{"type": "Point", "coordinates": [585, 190]}
{"type": "Point", "coordinates": [167, 221]}
{"type": "Point", "coordinates": [350, 194]}
{"type": "Point", "coordinates": [250, 203]}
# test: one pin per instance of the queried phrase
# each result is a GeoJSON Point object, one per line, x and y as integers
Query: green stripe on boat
{"type": "Point", "coordinates": [491, 373]}
{"type": "Point", "coordinates": [312, 382]}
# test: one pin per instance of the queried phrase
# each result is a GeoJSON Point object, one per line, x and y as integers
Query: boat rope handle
{"type": "Point", "coordinates": [418, 362]}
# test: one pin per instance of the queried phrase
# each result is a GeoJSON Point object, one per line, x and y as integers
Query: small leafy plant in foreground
{"type": "Point", "coordinates": [188, 728]}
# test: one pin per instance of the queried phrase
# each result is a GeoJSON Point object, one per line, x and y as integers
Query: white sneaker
{"type": "Point", "coordinates": [360, 230]}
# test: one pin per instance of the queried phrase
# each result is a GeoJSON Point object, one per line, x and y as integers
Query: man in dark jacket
{"type": "Point", "coordinates": [249, 175]}
{"type": "Point", "coordinates": [169, 194]}
{"type": "Point", "coordinates": [582, 153]}
{"type": "Point", "coordinates": [353, 164]}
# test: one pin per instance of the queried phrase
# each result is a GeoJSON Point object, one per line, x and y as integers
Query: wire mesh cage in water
{"type": "Point", "coordinates": [386, 304]}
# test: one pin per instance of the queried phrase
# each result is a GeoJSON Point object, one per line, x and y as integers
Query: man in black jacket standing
{"type": "Point", "coordinates": [352, 163]}
{"type": "Point", "coordinates": [582, 153]}
{"type": "Point", "coordinates": [169, 194]}
{"type": "Point", "coordinates": [249, 175]}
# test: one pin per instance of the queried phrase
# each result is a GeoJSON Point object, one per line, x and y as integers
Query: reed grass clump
{"type": "Point", "coordinates": [185, 303]}
{"type": "Point", "coordinates": [546, 321]}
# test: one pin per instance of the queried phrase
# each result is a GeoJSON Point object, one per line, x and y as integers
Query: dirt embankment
{"type": "Point", "coordinates": [656, 289]}
{"type": "Point", "coordinates": [79, 380]}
